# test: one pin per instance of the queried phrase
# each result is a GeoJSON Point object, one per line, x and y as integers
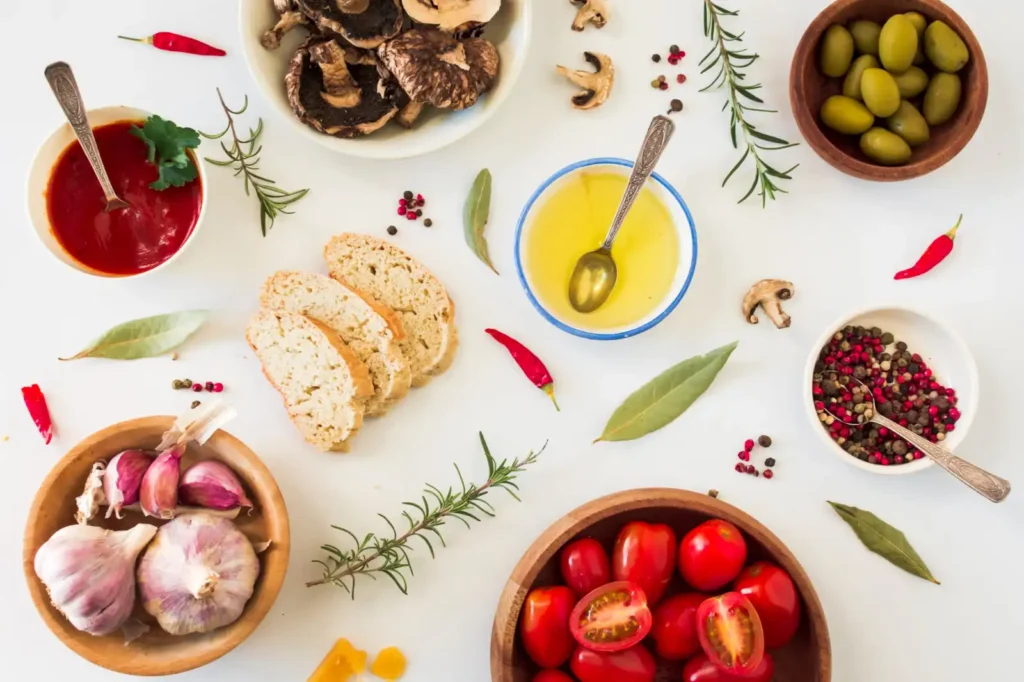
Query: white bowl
{"type": "Point", "coordinates": [939, 346]}
{"type": "Point", "coordinates": [39, 177]}
{"type": "Point", "coordinates": [510, 30]}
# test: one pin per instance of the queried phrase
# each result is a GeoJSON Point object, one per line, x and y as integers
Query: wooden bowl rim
{"type": "Point", "coordinates": [273, 568]}
{"type": "Point", "coordinates": [807, 120]}
{"type": "Point", "coordinates": [551, 540]}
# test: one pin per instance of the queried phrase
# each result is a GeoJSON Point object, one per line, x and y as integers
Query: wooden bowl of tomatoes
{"type": "Point", "coordinates": [659, 585]}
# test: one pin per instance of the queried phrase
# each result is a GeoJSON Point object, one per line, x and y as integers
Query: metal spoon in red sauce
{"type": "Point", "coordinates": [129, 241]}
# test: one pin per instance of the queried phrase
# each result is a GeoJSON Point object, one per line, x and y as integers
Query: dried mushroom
{"type": "Point", "coordinates": [595, 12]}
{"type": "Point", "coordinates": [597, 85]}
{"type": "Point", "coordinates": [464, 18]}
{"type": "Point", "coordinates": [364, 23]}
{"type": "Point", "coordinates": [408, 114]}
{"type": "Point", "coordinates": [290, 17]}
{"type": "Point", "coordinates": [337, 90]}
{"type": "Point", "coordinates": [767, 293]}
{"type": "Point", "coordinates": [435, 68]}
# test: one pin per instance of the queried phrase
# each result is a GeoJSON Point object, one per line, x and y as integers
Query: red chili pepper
{"type": "Point", "coordinates": [933, 255]}
{"type": "Point", "coordinates": [36, 404]}
{"type": "Point", "coordinates": [173, 42]}
{"type": "Point", "coordinates": [531, 365]}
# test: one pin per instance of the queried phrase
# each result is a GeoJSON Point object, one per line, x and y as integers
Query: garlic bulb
{"type": "Point", "coordinates": [90, 574]}
{"type": "Point", "coordinates": [197, 574]}
{"type": "Point", "coordinates": [123, 479]}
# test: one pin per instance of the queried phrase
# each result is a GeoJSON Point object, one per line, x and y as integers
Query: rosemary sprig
{"type": "Point", "coordinates": [389, 555]}
{"type": "Point", "coordinates": [732, 65]}
{"type": "Point", "coordinates": [243, 156]}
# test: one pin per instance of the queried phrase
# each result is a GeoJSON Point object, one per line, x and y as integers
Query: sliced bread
{"type": "Point", "coordinates": [400, 282]}
{"type": "Point", "coordinates": [370, 330]}
{"type": "Point", "coordinates": [323, 383]}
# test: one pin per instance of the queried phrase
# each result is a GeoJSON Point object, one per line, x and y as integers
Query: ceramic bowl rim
{"type": "Point", "coordinates": [963, 425]}
{"type": "Point", "coordinates": [575, 331]}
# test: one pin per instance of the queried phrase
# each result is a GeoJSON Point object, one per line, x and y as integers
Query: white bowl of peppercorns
{"type": "Point", "coordinates": [908, 366]}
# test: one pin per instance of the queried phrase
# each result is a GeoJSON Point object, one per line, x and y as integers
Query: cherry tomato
{"type": "Point", "coordinates": [645, 553]}
{"type": "Point", "coordinates": [611, 618]}
{"type": "Point", "coordinates": [585, 566]}
{"type": "Point", "coordinates": [675, 626]}
{"type": "Point", "coordinates": [552, 676]}
{"type": "Point", "coordinates": [701, 669]}
{"type": "Point", "coordinates": [544, 625]}
{"type": "Point", "coordinates": [712, 555]}
{"type": "Point", "coordinates": [632, 665]}
{"type": "Point", "coordinates": [730, 633]}
{"type": "Point", "coordinates": [774, 596]}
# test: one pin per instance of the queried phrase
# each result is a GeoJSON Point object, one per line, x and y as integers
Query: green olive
{"type": "Point", "coordinates": [942, 98]}
{"type": "Point", "coordinates": [888, 149]}
{"type": "Point", "coordinates": [919, 21]}
{"type": "Point", "coordinates": [946, 50]}
{"type": "Point", "coordinates": [897, 44]}
{"type": "Point", "coordinates": [909, 124]}
{"type": "Point", "coordinates": [846, 115]}
{"type": "Point", "coordinates": [880, 92]}
{"type": "Point", "coordinates": [911, 82]}
{"type": "Point", "coordinates": [865, 36]}
{"type": "Point", "coordinates": [836, 51]}
{"type": "Point", "coordinates": [851, 86]}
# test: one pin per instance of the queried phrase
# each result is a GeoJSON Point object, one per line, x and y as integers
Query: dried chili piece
{"type": "Point", "coordinates": [36, 404]}
{"type": "Point", "coordinates": [173, 42]}
{"type": "Point", "coordinates": [933, 255]}
{"type": "Point", "coordinates": [531, 365]}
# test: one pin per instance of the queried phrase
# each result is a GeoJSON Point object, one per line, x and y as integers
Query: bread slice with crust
{"type": "Point", "coordinates": [371, 330]}
{"type": "Point", "coordinates": [400, 282]}
{"type": "Point", "coordinates": [323, 384]}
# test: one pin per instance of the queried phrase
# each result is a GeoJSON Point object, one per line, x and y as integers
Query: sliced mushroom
{"type": "Point", "coordinates": [364, 23]}
{"type": "Point", "coordinates": [464, 18]}
{"type": "Point", "coordinates": [767, 293]}
{"type": "Point", "coordinates": [433, 67]}
{"type": "Point", "coordinates": [597, 85]}
{"type": "Point", "coordinates": [408, 114]}
{"type": "Point", "coordinates": [595, 12]}
{"type": "Point", "coordinates": [337, 90]}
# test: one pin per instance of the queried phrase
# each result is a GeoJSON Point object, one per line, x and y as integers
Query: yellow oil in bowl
{"type": "Point", "coordinates": [573, 219]}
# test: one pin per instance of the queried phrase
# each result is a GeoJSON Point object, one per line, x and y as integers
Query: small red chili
{"type": "Point", "coordinates": [933, 255]}
{"type": "Point", "coordinates": [531, 365]}
{"type": "Point", "coordinates": [35, 401]}
{"type": "Point", "coordinates": [173, 42]}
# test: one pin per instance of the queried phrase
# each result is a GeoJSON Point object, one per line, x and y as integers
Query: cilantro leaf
{"type": "Point", "coordinates": [172, 176]}
{"type": "Point", "coordinates": [168, 144]}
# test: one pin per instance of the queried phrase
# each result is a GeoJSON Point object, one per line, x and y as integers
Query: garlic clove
{"type": "Point", "coordinates": [159, 492]}
{"type": "Point", "coordinates": [88, 503]}
{"type": "Point", "coordinates": [212, 485]}
{"type": "Point", "coordinates": [123, 479]}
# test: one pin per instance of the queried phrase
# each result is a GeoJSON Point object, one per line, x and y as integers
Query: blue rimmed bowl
{"type": "Point", "coordinates": [681, 218]}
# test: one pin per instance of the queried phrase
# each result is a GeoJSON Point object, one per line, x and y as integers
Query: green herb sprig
{"type": "Point", "coordinates": [243, 156]}
{"type": "Point", "coordinates": [732, 65]}
{"type": "Point", "coordinates": [389, 555]}
{"type": "Point", "coordinates": [168, 145]}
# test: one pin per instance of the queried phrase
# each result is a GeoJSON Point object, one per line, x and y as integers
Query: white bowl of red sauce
{"type": "Point", "coordinates": [66, 204]}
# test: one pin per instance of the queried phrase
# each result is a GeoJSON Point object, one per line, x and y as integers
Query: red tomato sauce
{"type": "Point", "coordinates": [127, 241]}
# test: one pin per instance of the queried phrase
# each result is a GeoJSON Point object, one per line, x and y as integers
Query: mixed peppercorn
{"type": "Point", "coordinates": [197, 386]}
{"type": "Point", "coordinates": [745, 467]}
{"type": "Point", "coordinates": [410, 206]}
{"type": "Point", "coordinates": [661, 82]}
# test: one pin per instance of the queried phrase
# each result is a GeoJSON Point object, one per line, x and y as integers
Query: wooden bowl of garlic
{"type": "Point", "coordinates": [105, 585]}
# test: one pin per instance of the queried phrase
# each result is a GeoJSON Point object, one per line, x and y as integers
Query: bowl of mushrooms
{"type": "Point", "coordinates": [385, 79]}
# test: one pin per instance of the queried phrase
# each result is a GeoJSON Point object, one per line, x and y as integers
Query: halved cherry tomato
{"type": "Point", "coordinates": [585, 566]}
{"type": "Point", "coordinates": [544, 625]}
{"type": "Point", "coordinates": [774, 596]}
{"type": "Point", "coordinates": [675, 626]}
{"type": "Point", "coordinates": [632, 665]}
{"type": "Point", "coordinates": [730, 633]}
{"type": "Point", "coordinates": [645, 553]}
{"type": "Point", "coordinates": [611, 618]}
{"type": "Point", "coordinates": [712, 555]}
{"type": "Point", "coordinates": [701, 669]}
{"type": "Point", "coordinates": [552, 676]}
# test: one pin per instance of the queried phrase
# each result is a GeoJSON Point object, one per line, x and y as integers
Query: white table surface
{"type": "Point", "coordinates": [838, 238]}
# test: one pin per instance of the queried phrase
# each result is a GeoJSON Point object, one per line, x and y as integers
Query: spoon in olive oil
{"type": "Point", "coordinates": [595, 273]}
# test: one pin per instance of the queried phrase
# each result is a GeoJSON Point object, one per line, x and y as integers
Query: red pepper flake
{"type": "Point", "coordinates": [35, 401]}
{"type": "Point", "coordinates": [173, 42]}
{"type": "Point", "coordinates": [933, 255]}
{"type": "Point", "coordinates": [529, 363]}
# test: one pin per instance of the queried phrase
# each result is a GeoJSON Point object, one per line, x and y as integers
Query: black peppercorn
{"type": "Point", "coordinates": [901, 346]}
{"type": "Point", "coordinates": [419, 213]}
{"type": "Point", "coordinates": [407, 195]}
{"type": "Point", "coordinates": [392, 230]}
{"type": "Point", "coordinates": [677, 105]}
{"type": "Point", "coordinates": [186, 383]}
{"type": "Point", "coordinates": [770, 462]}
{"type": "Point", "coordinates": [913, 368]}
{"type": "Point", "coordinates": [899, 447]}
{"type": "Point", "coordinates": [887, 338]}
{"type": "Point", "coordinates": [764, 441]}
{"type": "Point", "coordinates": [195, 404]}
{"type": "Point", "coordinates": [674, 49]}
{"type": "Point", "coordinates": [176, 384]}
{"type": "Point", "coordinates": [655, 58]}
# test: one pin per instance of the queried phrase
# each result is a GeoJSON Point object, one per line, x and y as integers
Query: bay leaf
{"type": "Point", "coordinates": [145, 337]}
{"type": "Point", "coordinates": [475, 215]}
{"type": "Point", "coordinates": [664, 398]}
{"type": "Point", "coordinates": [884, 540]}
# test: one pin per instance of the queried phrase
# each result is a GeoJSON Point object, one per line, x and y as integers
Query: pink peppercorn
{"type": "Point", "coordinates": [950, 427]}
{"type": "Point", "coordinates": [954, 413]}
{"type": "Point", "coordinates": [197, 387]}
{"type": "Point", "coordinates": [768, 473]}
{"type": "Point", "coordinates": [218, 387]}
{"type": "Point", "coordinates": [740, 468]}
{"type": "Point", "coordinates": [419, 199]}
{"type": "Point", "coordinates": [402, 210]}
{"type": "Point", "coordinates": [933, 410]}
{"type": "Point", "coordinates": [748, 445]}
{"type": "Point", "coordinates": [410, 216]}
{"type": "Point", "coordinates": [744, 455]}
{"type": "Point", "coordinates": [403, 202]}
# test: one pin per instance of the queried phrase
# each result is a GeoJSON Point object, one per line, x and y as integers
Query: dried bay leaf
{"type": "Point", "coordinates": [665, 397]}
{"type": "Point", "coordinates": [145, 337]}
{"type": "Point", "coordinates": [884, 540]}
{"type": "Point", "coordinates": [475, 215]}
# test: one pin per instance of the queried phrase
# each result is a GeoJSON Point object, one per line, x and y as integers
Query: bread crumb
{"type": "Point", "coordinates": [174, 355]}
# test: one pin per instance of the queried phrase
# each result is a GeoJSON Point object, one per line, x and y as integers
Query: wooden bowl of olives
{"type": "Point", "coordinates": [888, 90]}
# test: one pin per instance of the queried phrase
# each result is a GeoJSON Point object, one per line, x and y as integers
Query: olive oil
{"type": "Point", "coordinates": [573, 220]}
